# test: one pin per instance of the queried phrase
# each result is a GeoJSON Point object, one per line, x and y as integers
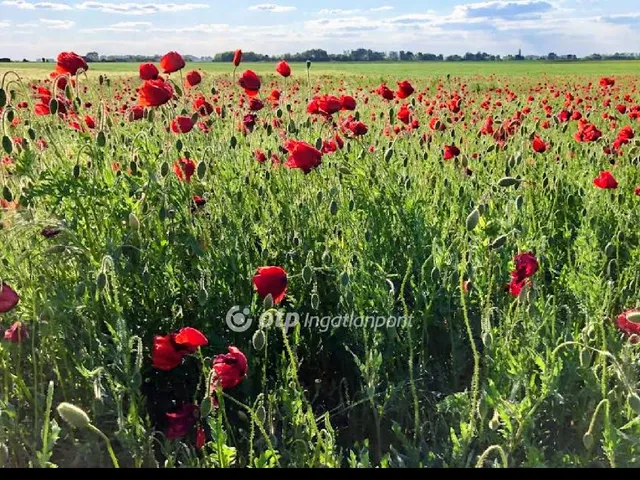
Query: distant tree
{"type": "Point", "coordinates": [92, 57]}
{"type": "Point", "coordinates": [552, 56]}
{"type": "Point", "coordinates": [5, 60]}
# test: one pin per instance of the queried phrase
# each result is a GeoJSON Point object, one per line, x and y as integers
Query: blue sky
{"type": "Point", "coordinates": [37, 28]}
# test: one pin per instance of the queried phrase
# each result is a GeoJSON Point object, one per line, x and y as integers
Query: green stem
{"type": "Point", "coordinates": [97, 431]}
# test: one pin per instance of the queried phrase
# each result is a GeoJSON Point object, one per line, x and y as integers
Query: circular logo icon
{"type": "Point", "coordinates": [238, 320]}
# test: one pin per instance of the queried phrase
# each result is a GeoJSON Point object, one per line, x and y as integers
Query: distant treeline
{"type": "Point", "coordinates": [359, 55]}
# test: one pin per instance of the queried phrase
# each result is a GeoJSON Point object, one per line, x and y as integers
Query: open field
{"type": "Point", "coordinates": [323, 272]}
{"type": "Point", "coordinates": [413, 69]}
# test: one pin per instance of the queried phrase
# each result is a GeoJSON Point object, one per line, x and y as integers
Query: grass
{"type": "Point", "coordinates": [386, 70]}
{"type": "Point", "coordinates": [384, 227]}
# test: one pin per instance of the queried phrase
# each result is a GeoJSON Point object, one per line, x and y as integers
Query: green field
{"type": "Point", "coordinates": [412, 69]}
{"type": "Point", "coordinates": [146, 227]}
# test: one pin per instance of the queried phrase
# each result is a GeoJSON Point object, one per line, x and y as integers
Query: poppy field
{"type": "Point", "coordinates": [143, 214]}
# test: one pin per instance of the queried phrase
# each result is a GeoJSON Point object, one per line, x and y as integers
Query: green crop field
{"type": "Point", "coordinates": [413, 69]}
{"type": "Point", "coordinates": [363, 265]}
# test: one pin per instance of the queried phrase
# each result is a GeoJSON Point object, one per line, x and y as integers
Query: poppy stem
{"type": "Point", "coordinates": [98, 432]}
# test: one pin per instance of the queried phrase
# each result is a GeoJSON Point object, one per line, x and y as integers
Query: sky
{"type": "Point", "coordinates": [43, 28]}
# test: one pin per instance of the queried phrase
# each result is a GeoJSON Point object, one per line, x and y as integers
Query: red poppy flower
{"type": "Point", "coordinates": [201, 438]}
{"type": "Point", "coordinates": [136, 113]}
{"type": "Point", "coordinates": [249, 121]}
{"type": "Point", "coordinates": [605, 180]}
{"type": "Point", "coordinates": [347, 102]}
{"type": "Point", "coordinates": [192, 78]}
{"type": "Point", "coordinates": [148, 71]}
{"type": "Point", "coordinates": [41, 109]}
{"type": "Point", "coordinates": [271, 280]}
{"type": "Point", "coordinates": [404, 114]}
{"type": "Point", "coordinates": [587, 132]}
{"type": "Point", "coordinates": [622, 109]}
{"type": "Point", "coordinates": [302, 156]}
{"type": "Point", "coordinates": [50, 232]}
{"type": "Point", "coordinates": [8, 298]}
{"type": "Point", "coordinates": [70, 63]}
{"type": "Point", "coordinates": [17, 333]}
{"type": "Point", "coordinates": [237, 57]}
{"type": "Point", "coordinates": [325, 105]}
{"type": "Point", "coordinates": [607, 82]}
{"type": "Point", "coordinates": [357, 128]}
{"type": "Point", "coordinates": [538, 145]}
{"type": "Point", "coordinates": [203, 107]}
{"type": "Point", "coordinates": [172, 62]}
{"type": "Point", "coordinates": [229, 369]}
{"type": "Point", "coordinates": [385, 92]}
{"type": "Point", "coordinates": [255, 104]}
{"type": "Point", "coordinates": [181, 422]}
{"type": "Point", "coordinates": [91, 123]}
{"type": "Point", "coordinates": [260, 156]}
{"type": "Point", "coordinates": [199, 201]}
{"type": "Point", "coordinates": [168, 350]}
{"type": "Point", "coordinates": [250, 82]}
{"type": "Point", "coordinates": [627, 326]}
{"type": "Point", "coordinates": [181, 124]}
{"type": "Point", "coordinates": [184, 169]}
{"type": "Point", "coordinates": [404, 89]}
{"type": "Point", "coordinates": [451, 151]}
{"type": "Point", "coordinates": [637, 191]}
{"type": "Point", "coordinates": [526, 266]}
{"type": "Point", "coordinates": [154, 93]}
{"type": "Point", "coordinates": [283, 69]}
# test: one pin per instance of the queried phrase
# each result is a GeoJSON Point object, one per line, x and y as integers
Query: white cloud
{"type": "Point", "coordinates": [26, 25]}
{"type": "Point", "coordinates": [4, 24]}
{"type": "Point", "coordinates": [383, 8]}
{"type": "Point", "coordinates": [337, 11]}
{"type": "Point", "coordinates": [120, 27]}
{"type": "Point", "coordinates": [272, 7]}
{"type": "Point", "coordinates": [140, 8]}
{"type": "Point", "coordinates": [24, 5]}
{"type": "Point", "coordinates": [57, 24]}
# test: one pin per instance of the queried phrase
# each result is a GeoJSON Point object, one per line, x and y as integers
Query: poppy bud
{"type": "Point", "coordinates": [307, 273]}
{"type": "Point", "coordinates": [268, 301]}
{"type": "Point", "coordinates": [587, 440]}
{"type": "Point", "coordinates": [308, 64]}
{"type": "Point", "coordinates": [134, 223]}
{"type": "Point", "coordinates": [74, 416]}
{"type": "Point", "coordinates": [258, 340]}
{"type": "Point", "coordinates": [473, 219]}
{"type": "Point", "coordinates": [494, 423]}
{"type": "Point", "coordinates": [7, 144]}
{"type": "Point", "coordinates": [315, 301]}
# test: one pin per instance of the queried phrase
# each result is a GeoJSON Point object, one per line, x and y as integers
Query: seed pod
{"type": "Point", "coordinates": [498, 242]}
{"type": "Point", "coordinates": [315, 301]}
{"type": "Point", "coordinates": [101, 281]}
{"type": "Point", "coordinates": [388, 154]}
{"type": "Point", "coordinates": [473, 219]}
{"type": "Point", "coordinates": [7, 194]}
{"type": "Point", "coordinates": [205, 407]}
{"type": "Point", "coordinates": [508, 181]}
{"type": "Point", "coordinates": [74, 416]}
{"type": "Point", "coordinates": [633, 317]}
{"type": "Point", "coordinates": [259, 340]}
{"type": "Point", "coordinates": [634, 403]}
{"type": "Point", "coordinates": [307, 274]}
{"type": "Point", "coordinates": [134, 223]}
{"type": "Point", "coordinates": [201, 170]}
{"type": "Point", "coordinates": [261, 414]}
{"type": "Point", "coordinates": [268, 302]}
{"type": "Point", "coordinates": [610, 250]}
{"type": "Point", "coordinates": [494, 423]}
{"type": "Point", "coordinates": [7, 144]}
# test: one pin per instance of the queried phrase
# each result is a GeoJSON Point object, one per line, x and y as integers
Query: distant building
{"type": "Point", "coordinates": [519, 55]}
